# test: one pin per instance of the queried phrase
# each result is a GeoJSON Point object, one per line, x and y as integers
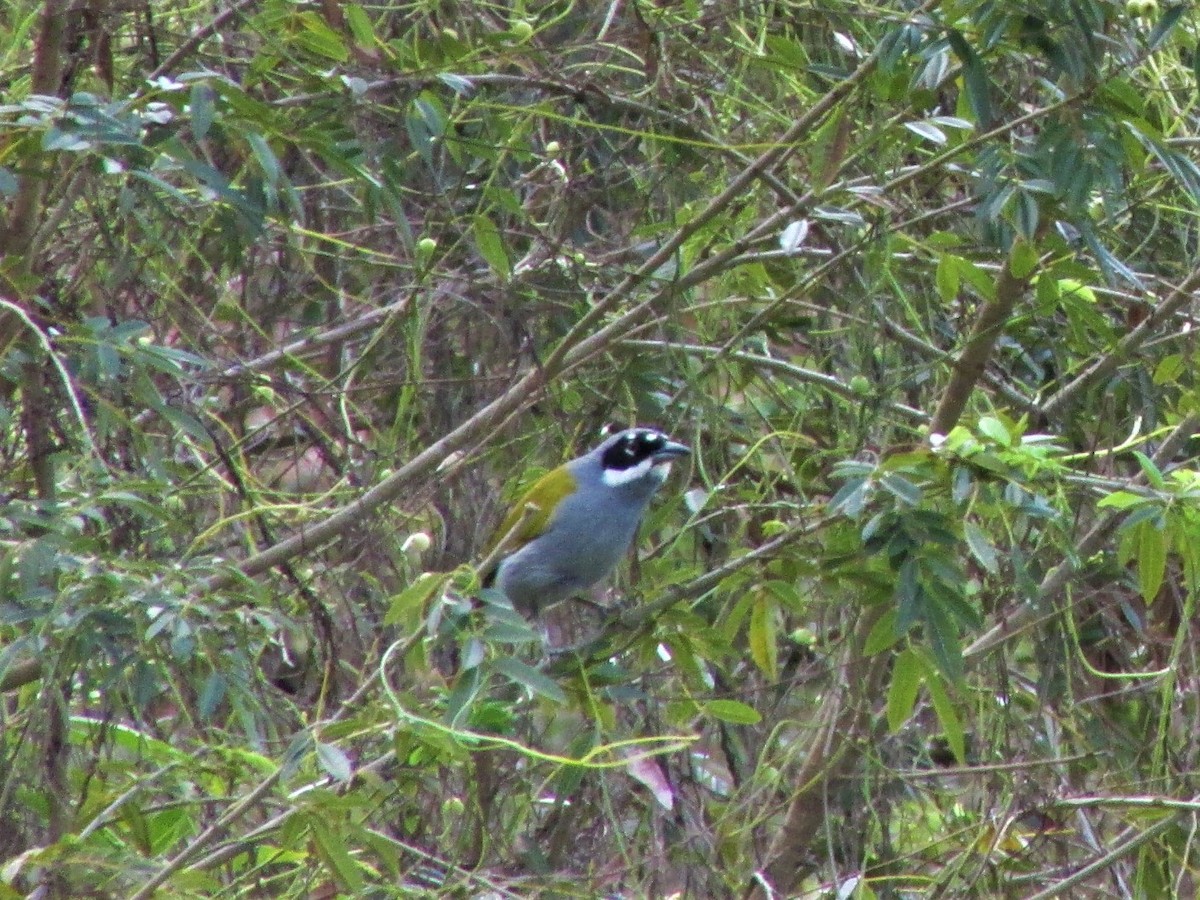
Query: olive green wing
{"type": "Point", "coordinates": [544, 496]}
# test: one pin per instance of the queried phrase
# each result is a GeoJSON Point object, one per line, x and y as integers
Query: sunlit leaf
{"type": "Point", "coordinates": [927, 130]}
{"type": "Point", "coordinates": [319, 38]}
{"type": "Point", "coordinates": [1121, 500]}
{"type": "Point", "coordinates": [410, 602]}
{"type": "Point", "coordinates": [334, 761]}
{"type": "Point", "coordinates": [993, 428]}
{"type": "Point", "coordinates": [1153, 474]}
{"type": "Point", "coordinates": [360, 24]}
{"type": "Point", "coordinates": [764, 648]}
{"type": "Point", "coordinates": [946, 277]}
{"type": "Point", "coordinates": [793, 236]}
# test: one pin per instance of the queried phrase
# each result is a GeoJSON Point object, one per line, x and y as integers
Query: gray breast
{"type": "Point", "coordinates": [585, 542]}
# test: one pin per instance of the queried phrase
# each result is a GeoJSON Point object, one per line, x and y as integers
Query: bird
{"type": "Point", "coordinates": [576, 523]}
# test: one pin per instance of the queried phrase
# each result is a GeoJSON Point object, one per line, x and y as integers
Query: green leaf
{"type": "Point", "coordinates": [1151, 559]}
{"type": "Point", "coordinates": [510, 632]}
{"type": "Point", "coordinates": [410, 602]}
{"type": "Point", "coordinates": [1023, 259]}
{"type": "Point", "coordinates": [733, 712]}
{"type": "Point", "coordinates": [1121, 500]}
{"type": "Point", "coordinates": [901, 488]}
{"type": "Point", "coordinates": [908, 597]}
{"type": "Point", "coordinates": [764, 649]}
{"type": "Point", "coordinates": [883, 634]}
{"type": "Point", "coordinates": [993, 428]}
{"type": "Point", "coordinates": [1168, 21]}
{"type": "Point", "coordinates": [200, 104]}
{"type": "Point", "coordinates": [829, 142]}
{"type": "Point", "coordinates": [491, 246]}
{"type": "Point", "coordinates": [1196, 65]}
{"type": "Point", "coordinates": [335, 854]}
{"type": "Point", "coordinates": [980, 280]}
{"type": "Point", "coordinates": [975, 79]}
{"type": "Point", "coordinates": [467, 687]}
{"type": "Point", "coordinates": [1150, 470]}
{"type": "Point", "coordinates": [902, 692]}
{"type": "Point", "coordinates": [334, 761]}
{"type": "Point", "coordinates": [529, 677]}
{"type": "Point", "coordinates": [1028, 214]}
{"type": "Point", "coordinates": [947, 715]}
{"type": "Point", "coordinates": [942, 631]}
{"type": "Point", "coordinates": [317, 37]}
{"type": "Point", "coordinates": [981, 547]}
{"type": "Point", "coordinates": [946, 277]}
{"type": "Point", "coordinates": [787, 594]}
{"type": "Point", "coordinates": [423, 125]}
{"type": "Point", "coordinates": [1148, 512]}
{"type": "Point", "coordinates": [360, 25]}
{"type": "Point", "coordinates": [185, 422]}
{"type": "Point", "coordinates": [267, 161]}
{"type": "Point", "coordinates": [850, 498]}
{"type": "Point", "coordinates": [211, 695]}
{"type": "Point", "coordinates": [1169, 369]}
{"type": "Point", "coordinates": [59, 139]}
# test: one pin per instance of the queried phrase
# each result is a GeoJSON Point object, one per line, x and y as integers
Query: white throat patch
{"type": "Point", "coordinates": [618, 477]}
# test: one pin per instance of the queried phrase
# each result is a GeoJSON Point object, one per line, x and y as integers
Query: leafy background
{"type": "Point", "coordinates": [294, 298]}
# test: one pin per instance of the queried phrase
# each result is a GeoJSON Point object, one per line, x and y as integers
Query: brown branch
{"type": "Point", "coordinates": [16, 231]}
{"type": "Point", "coordinates": [16, 240]}
{"type": "Point", "coordinates": [36, 422]}
{"type": "Point", "coordinates": [845, 715]}
{"type": "Point", "coordinates": [198, 37]}
{"type": "Point", "coordinates": [968, 368]}
{"type": "Point", "coordinates": [845, 718]}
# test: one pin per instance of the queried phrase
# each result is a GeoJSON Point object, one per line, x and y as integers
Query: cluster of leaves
{"type": "Point", "coordinates": [292, 300]}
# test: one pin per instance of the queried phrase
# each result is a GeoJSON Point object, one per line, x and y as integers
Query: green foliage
{"type": "Point", "coordinates": [288, 307]}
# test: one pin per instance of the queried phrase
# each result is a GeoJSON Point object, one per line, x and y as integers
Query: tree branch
{"type": "Point", "coordinates": [968, 369]}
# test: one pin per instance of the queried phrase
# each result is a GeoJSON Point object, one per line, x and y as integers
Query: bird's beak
{"type": "Point", "coordinates": [671, 450]}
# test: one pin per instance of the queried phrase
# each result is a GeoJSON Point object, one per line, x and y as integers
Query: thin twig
{"type": "Point", "coordinates": [199, 36]}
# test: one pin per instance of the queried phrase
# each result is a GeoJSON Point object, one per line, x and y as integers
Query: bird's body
{"type": "Point", "coordinates": [586, 517]}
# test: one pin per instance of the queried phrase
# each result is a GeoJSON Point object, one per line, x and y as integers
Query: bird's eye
{"type": "Point", "coordinates": [633, 447]}
{"type": "Point", "coordinates": [647, 442]}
